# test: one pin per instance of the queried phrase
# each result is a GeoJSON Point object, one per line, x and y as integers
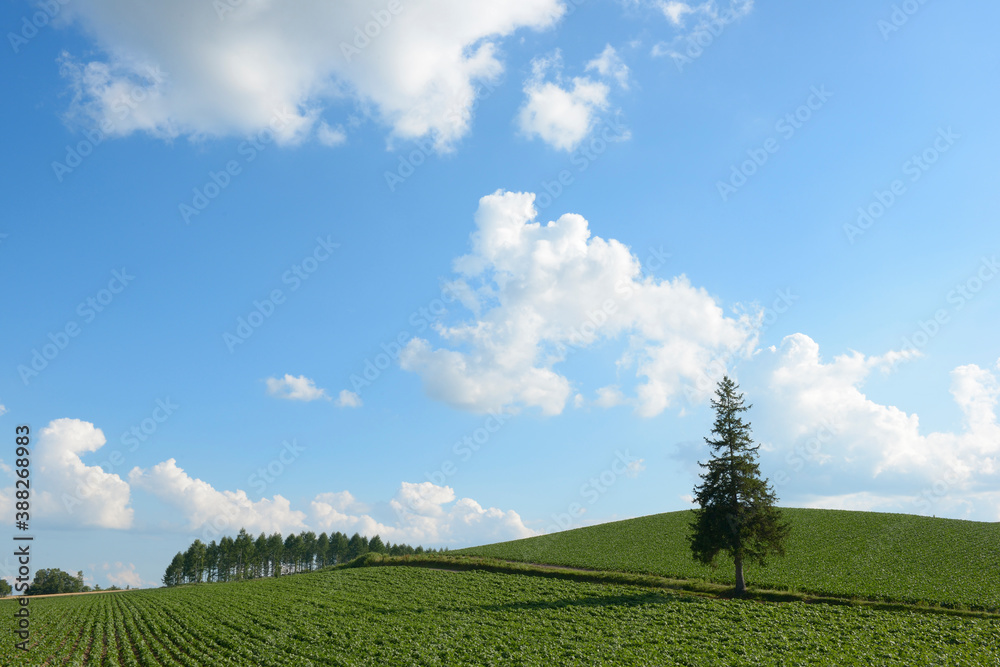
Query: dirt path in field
{"type": "Point", "coordinates": [443, 567]}
{"type": "Point", "coordinates": [549, 566]}
{"type": "Point", "coordinates": [60, 595]}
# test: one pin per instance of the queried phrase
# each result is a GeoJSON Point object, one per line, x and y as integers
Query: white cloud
{"type": "Point", "coordinates": [425, 514]}
{"type": "Point", "coordinates": [560, 116]}
{"type": "Point", "coordinates": [635, 467]}
{"type": "Point", "coordinates": [706, 12]}
{"type": "Point", "coordinates": [70, 492]}
{"type": "Point", "coordinates": [125, 575]}
{"type": "Point", "coordinates": [543, 291]}
{"type": "Point", "coordinates": [221, 511]}
{"type": "Point", "coordinates": [609, 64]}
{"type": "Point", "coordinates": [709, 22]}
{"type": "Point", "coordinates": [341, 501]}
{"type": "Point", "coordinates": [348, 399]}
{"type": "Point", "coordinates": [3, 409]}
{"type": "Point", "coordinates": [294, 388]}
{"type": "Point", "coordinates": [233, 71]}
{"type": "Point", "coordinates": [870, 455]}
{"type": "Point", "coordinates": [675, 11]}
{"type": "Point", "coordinates": [330, 136]}
{"type": "Point", "coordinates": [609, 397]}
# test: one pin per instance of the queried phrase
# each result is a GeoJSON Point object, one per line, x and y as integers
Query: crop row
{"type": "Point", "coordinates": [417, 616]}
{"type": "Point", "coordinates": [847, 554]}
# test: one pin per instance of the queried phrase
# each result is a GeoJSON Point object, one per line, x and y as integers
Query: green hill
{"type": "Point", "coordinates": [896, 557]}
{"type": "Point", "coordinates": [418, 616]}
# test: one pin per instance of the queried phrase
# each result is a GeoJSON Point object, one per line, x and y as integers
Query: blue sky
{"type": "Point", "coordinates": [559, 224]}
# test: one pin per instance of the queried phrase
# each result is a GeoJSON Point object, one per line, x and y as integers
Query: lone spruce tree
{"type": "Point", "coordinates": [737, 513]}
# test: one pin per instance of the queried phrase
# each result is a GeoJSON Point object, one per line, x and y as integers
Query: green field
{"type": "Point", "coordinates": [498, 613]}
{"type": "Point", "coordinates": [869, 555]}
{"type": "Point", "coordinates": [417, 616]}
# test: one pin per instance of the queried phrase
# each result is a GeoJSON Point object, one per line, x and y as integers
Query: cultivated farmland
{"type": "Point", "coordinates": [418, 616]}
{"type": "Point", "coordinates": [896, 557]}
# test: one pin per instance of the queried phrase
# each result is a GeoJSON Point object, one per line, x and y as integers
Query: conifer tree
{"type": "Point", "coordinates": [340, 547]}
{"type": "Point", "coordinates": [376, 546]}
{"type": "Point", "coordinates": [737, 513]}
{"type": "Point", "coordinates": [175, 571]}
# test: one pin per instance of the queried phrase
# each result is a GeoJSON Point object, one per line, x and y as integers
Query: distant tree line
{"type": "Point", "coordinates": [243, 557]}
{"type": "Point", "coordinates": [53, 580]}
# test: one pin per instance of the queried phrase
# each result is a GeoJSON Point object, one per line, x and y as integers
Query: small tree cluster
{"type": "Point", "coordinates": [53, 580]}
{"type": "Point", "coordinates": [243, 557]}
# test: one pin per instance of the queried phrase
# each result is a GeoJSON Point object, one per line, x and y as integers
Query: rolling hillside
{"type": "Point", "coordinates": [896, 557]}
{"type": "Point", "coordinates": [449, 609]}
{"type": "Point", "coordinates": [419, 616]}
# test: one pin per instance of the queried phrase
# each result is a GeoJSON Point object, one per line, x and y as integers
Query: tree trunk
{"type": "Point", "coordinates": [741, 586]}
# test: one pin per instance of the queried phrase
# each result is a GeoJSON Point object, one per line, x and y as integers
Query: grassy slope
{"type": "Point", "coordinates": [404, 615]}
{"type": "Point", "coordinates": [863, 554]}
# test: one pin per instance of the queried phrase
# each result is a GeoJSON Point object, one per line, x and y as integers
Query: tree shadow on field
{"type": "Point", "coordinates": [621, 600]}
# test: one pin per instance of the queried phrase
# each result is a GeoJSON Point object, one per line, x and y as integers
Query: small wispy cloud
{"type": "Point", "coordinates": [348, 399]}
{"type": "Point", "coordinates": [294, 388]}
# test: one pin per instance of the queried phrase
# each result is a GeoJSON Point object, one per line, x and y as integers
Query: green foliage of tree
{"type": "Point", "coordinates": [174, 576]}
{"type": "Point", "coordinates": [292, 552]}
{"type": "Point", "coordinates": [322, 550]}
{"type": "Point", "coordinates": [339, 547]}
{"type": "Point", "coordinates": [275, 549]}
{"type": "Point", "coordinates": [194, 562]}
{"type": "Point", "coordinates": [244, 553]}
{"type": "Point", "coordinates": [376, 546]}
{"type": "Point", "coordinates": [357, 546]}
{"type": "Point", "coordinates": [211, 561]}
{"type": "Point", "coordinates": [53, 580]}
{"type": "Point", "coordinates": [5, 588]}
{"type": "Point", "coordinates": [270, 556]}
{"type": "Point", "coordinates": [226, 558]}
{"type": "Point", "coordinates": [308, 554]}
{"type": "Point", "coordinates": [737, 513]}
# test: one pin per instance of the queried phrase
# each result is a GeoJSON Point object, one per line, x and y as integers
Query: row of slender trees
{"type": "Point", "coordinates": [244, 557]}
